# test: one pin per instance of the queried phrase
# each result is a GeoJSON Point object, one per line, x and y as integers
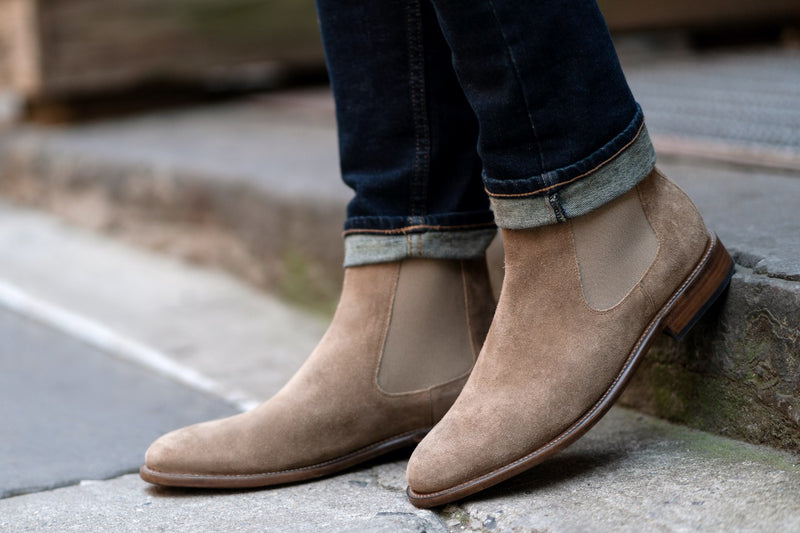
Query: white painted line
{"type": "Point", "coordinates": [105, 339]}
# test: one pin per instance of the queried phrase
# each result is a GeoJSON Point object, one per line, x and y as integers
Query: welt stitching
{"type": "Point", "coordinates": [302, 468]}
{"type": "Point", "coordinates": [605, 162]}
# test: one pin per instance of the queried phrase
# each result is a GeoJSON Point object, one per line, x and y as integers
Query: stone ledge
{"type": "Point", "coordinates": [287, 243]}
{"type": "Point", "coordinates": [738, 371]}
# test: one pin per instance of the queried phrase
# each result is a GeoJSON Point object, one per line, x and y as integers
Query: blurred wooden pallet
{"type": "Point", "coordinates": [54, 50]}
{"type": "Point", "coordinates": [51, 49]}
{"type": "Point", "coordinates": [627, 15]}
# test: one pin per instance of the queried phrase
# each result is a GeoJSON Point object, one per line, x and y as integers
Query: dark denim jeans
{"type": "Point", "coordinates": [446, 105]}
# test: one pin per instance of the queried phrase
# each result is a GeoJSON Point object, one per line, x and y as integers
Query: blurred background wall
{"type": "Point", "coordinates": [62, 50]}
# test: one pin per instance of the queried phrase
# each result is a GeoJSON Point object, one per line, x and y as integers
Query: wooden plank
{"type": "Point", "coordinates": [20, 67]}
{"type": "Point", "coordinates": [55, 48]}
{"type": "Point", "coordinates": [92, 45]}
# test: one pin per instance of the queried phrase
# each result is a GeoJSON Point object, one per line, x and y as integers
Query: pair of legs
{"type": "Point", "coordinates": [445, 109]}
{"type": "Point", "coordinates": [439, 103]}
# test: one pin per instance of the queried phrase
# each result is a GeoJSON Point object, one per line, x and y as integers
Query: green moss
{"type": "Point", "coordinates": [697, 399]}
{"type": "Point", "coordinates": [730, 450]}
{"type": "Point", "coordinates": [712, 403]}
{"type": "Point", "coordinates": [248, 19]}
{"type": "Point", "coordinates": [718, 447]}
{"type": "Point", "coordinates": [454, 516]}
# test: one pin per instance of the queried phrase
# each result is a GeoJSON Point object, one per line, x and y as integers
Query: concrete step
{"type": "Point", "coordinates": [631, 473]}
{"type": "Point", "coordinates": [103, 348]}
{"type": "Point", "coordinates": [252, 187]}
{"type": "Point", "coordinates": [89, 293]}
{"type": "Point", "coordinates": [152, 309]}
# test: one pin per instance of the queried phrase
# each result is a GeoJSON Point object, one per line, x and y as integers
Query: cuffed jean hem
{"type": "Point", "coordinates": [360, 249]}
{"type": "Point", "coordinates": [609, 180]}
{"type": "Point", "coordinates": [395, 224]}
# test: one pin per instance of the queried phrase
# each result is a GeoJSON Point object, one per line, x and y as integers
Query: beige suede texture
{"type": "Point", "coordinates": [549, 356]}
{"type": "Point", "coordinates": [333, 405]}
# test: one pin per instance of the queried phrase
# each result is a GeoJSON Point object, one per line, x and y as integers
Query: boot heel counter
{"type": "Point", "coordinates": [700, 291]}
{"type": "Point", "coordinates": [682, 201]}
{"type": "Point", "coordinates": [680, 229]}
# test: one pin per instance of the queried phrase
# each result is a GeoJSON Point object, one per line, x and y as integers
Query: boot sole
{"type": "Point", "coordinates": [682, 311]}
{"type": "Point", "coordinates": [249, 481]}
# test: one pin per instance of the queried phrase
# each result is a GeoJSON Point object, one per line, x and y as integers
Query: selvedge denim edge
{"type": "Point", "coordinates": [580, 195]}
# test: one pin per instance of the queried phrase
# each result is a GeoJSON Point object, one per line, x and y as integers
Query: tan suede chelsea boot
{"type": "Point", "coordinates": [580, 305]}
{"type": "Point", "coordinates": [398, 351]}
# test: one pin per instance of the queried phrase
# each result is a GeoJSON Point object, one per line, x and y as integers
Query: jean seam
{"type": "Point", "coordinates": [416, 64]}
{"type": "Point", "coordinates": [518, 78]}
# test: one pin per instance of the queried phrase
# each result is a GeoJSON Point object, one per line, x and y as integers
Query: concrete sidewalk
{"type": "Point", "coordinates": [630, 473]}
{"type": "Point", "coordinates": [72, 412]}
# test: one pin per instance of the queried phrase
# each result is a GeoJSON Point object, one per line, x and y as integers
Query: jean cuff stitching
{"type": "Point", "coordinates": [576, 178]}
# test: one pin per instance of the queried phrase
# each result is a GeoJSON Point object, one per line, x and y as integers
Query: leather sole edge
{"type": "Point", "coordinates": [266, 479]}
